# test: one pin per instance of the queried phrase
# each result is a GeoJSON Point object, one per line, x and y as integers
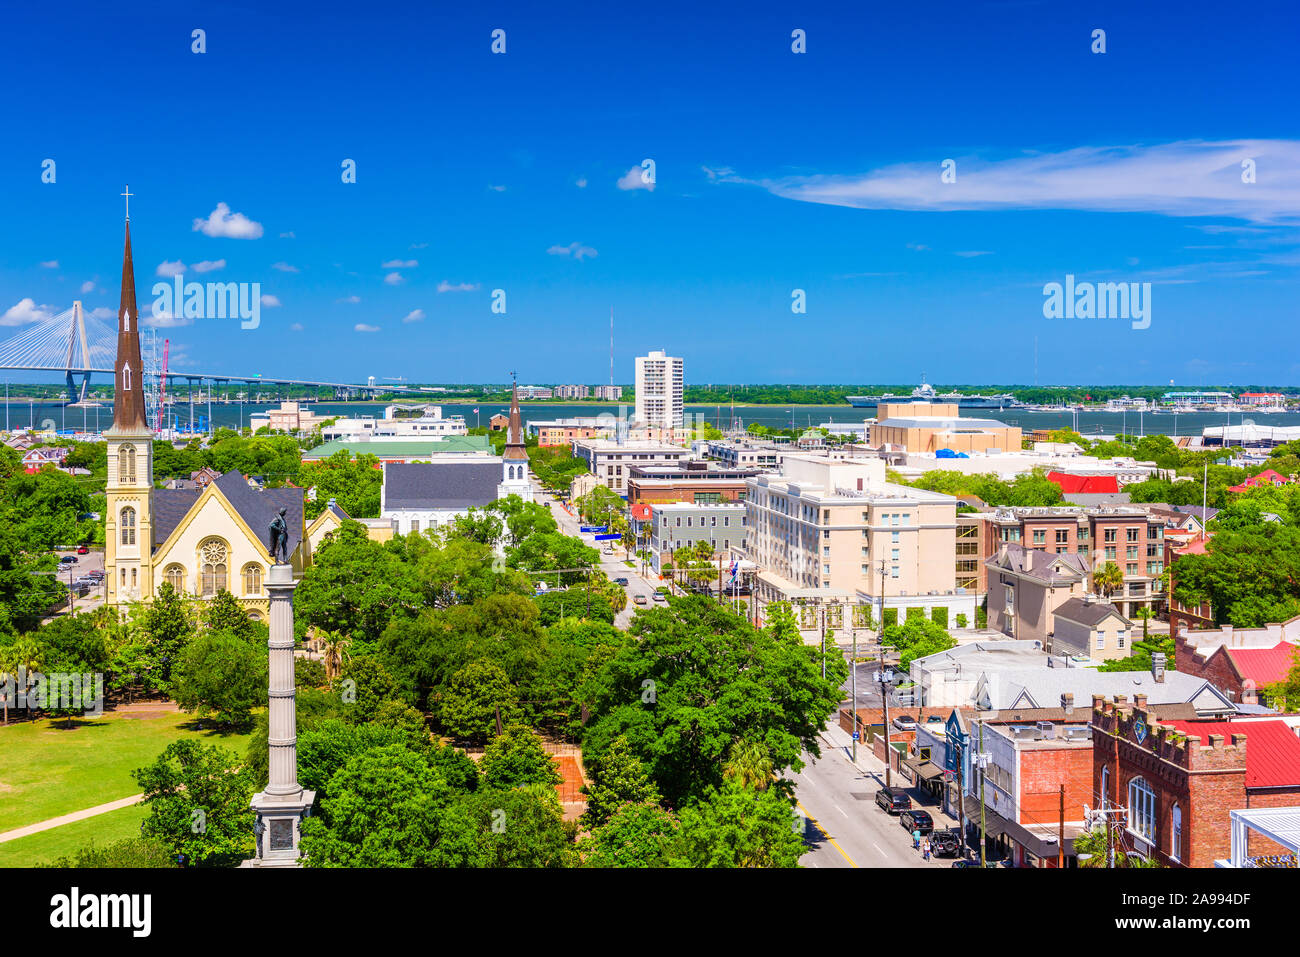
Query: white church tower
{"type": "Point", "coordinates": [514, 464]}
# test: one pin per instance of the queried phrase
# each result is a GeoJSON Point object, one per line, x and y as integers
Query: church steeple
{"type": "Point", "coordinates": [515, 450]}
{"type": "Point", "coordinates": [128, 384]}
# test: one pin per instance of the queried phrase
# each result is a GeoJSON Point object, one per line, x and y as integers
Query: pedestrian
{"type": "Point", "coordinates": [925, 848]}
{"type": "Point", "coordinates": [916, 838]}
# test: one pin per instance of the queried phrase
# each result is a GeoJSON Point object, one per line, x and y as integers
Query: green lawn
{"type": "Point", "coordinates": [47, 770]}
{"type": "Point", "coordinates": [62, 841]}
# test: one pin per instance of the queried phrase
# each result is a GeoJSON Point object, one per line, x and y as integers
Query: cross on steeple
{"type": "Point", "coordinates": [128, 194]}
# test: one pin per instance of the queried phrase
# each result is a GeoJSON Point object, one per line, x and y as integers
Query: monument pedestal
{"type": "Point", "coordinates": [281, 808]}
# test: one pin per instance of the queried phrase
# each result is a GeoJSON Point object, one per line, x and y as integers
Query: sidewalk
{"type": "Point", "coordinates": [839, 740]}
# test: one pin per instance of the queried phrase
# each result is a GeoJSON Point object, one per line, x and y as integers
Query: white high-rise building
{"type": "Point", "coordinates": [659, 390]}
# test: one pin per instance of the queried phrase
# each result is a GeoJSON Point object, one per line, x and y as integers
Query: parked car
{"type": "Point", "coordinates": [83, 550]}
{"type": "Point", "coordinates": [608, 551]}
{"type": "Point", "coordinates": [893, 800]}
{"type": "Point", "coordinates": [68, 560]}
{"type": "Point", "coordinates": [965, 863]}
{"type": "Point", "coordinates": [916, 821]}
{"type": "Point", "coordinates": [640, 600]}
{"type": "Point", "coordinates": [905, 722]}
{"type": "Point", "coordinates": [96, 573]}
{"type": "Point", "coordinates": [661, 598]}
{"type": "Point", "coordinates": [621, 581]}
{"type": "Point", "coordinates": [945, 843]}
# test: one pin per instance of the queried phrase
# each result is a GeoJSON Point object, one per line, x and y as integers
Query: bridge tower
{"type": "Point", "coordinates": [77, 364]}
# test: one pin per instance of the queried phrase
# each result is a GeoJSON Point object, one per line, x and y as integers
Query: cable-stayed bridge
{"type": "Point", "coordinates": [80, 345]}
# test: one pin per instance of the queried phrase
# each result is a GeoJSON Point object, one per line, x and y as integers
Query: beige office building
{"type": "Point", "coordinates": [931, 426]}
{"type": "Point", "coordinates": [822, 529]}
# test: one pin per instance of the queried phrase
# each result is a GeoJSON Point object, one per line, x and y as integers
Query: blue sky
{"type": "Point", "coordinates": [773, 172]}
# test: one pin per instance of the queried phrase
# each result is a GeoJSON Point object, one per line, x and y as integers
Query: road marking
{"type": "Point", "coordinates": [838, 808]}
{"type": "Point", "coordinates": [826, 834]}
{"type": "Point", "coordinates": [878, 847]}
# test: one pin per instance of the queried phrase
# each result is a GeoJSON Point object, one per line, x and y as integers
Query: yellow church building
{"type": "Point", "coordinates": [200, 541]}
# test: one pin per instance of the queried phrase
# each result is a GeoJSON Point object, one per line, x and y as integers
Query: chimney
{"type": "Point", "coordinates": [1158, 666]}
{"type": "Point", "coordinates": [1140, 701]}
{"type": "Point", "coordinates": [1067, 702]}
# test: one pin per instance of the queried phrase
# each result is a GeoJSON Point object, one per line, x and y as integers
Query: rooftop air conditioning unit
{"type": "Point", "coordinates": [1046, 729]}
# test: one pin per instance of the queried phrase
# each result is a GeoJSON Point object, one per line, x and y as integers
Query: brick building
{"type": "Point", "coordinates": [694, 481]}
{"type": "Point", "coordinates": [1178, 780]}
{"type": "Point", "coordinates": [1240, 661]}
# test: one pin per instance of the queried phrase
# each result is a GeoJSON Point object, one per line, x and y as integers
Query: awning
{"type": "Point", "coordinates": [928, 771]}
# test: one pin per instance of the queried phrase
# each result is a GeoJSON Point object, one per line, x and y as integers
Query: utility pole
{"type": "Point", "coordinates": [983, 816]}
{"type": "Point", "coordinates": [961, 797]}
{"type": "Point", "coordinates": [823, 642]}
{"type": "Point", "coordinates": [853, 672]}
{"type": "Point", "coordinates": [1060, 834]}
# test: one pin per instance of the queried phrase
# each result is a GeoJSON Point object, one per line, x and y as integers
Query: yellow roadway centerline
{"type": "Point", "coordinates": [825, 833]}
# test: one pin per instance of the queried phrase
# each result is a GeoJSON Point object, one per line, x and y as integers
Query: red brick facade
{"type": "Point", "coordinates": [1204, 777]}
{"type": "Point", "coordinates": [1216, 667]}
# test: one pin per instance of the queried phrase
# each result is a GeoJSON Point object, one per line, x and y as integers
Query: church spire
{"type": "Point", "coordinates": [515, 450]}
{"type": "Point", "coordinates": [128, 383]}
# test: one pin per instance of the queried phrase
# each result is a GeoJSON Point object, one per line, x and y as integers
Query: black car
{"type": "Point", "coordinates": [945, 843]}
{"type": "Point", "coordinates": [965, 863]}
{"type": "Point", "coordinates": [68, 560]}
{"type": "Point", "coordinates": [916, 821]}
{"type": "Point", "coordinates": [893, 800]}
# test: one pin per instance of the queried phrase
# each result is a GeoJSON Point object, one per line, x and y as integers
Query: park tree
{"type": "Point", "coordinates": [698, 678]}
{"type": "Point", "coordinates": [476, 698]}
{"type": "Point", "coordinates": [636, 834]}
{"type": "Point", "coordinates": [515, 828]}
{"type": "Point", "coordinates": [354, 585]}
{"type": "Point", "coordinates": [221, 674]}
{"type": "Point", "coordinates": [353, 483]}
{"type": "Point", "coordinates": [517, 758]}
{"type": "Point", "coordinates": [198, 798]}
{"type": "Point", "coordinates": [168, 625]}
{"type": "Point", "coordinates": [224, 613]}
{"type": "Point", "coordinates": [617, 778]}
{"type": "Point", "coordinates": [738, 826]}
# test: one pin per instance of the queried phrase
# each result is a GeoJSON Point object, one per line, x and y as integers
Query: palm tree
{"type": "Point", "coordinates": [334, 652]}
{"type": "Point", "coordinates": [749, 763]}
{"type": "Point", "coordinates": [1146, 614]}
{"type": "Point", "coordinates": [1107, 579]}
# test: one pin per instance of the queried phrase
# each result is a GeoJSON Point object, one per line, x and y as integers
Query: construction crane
{"type": "Point", "coordinates": [162, 386]}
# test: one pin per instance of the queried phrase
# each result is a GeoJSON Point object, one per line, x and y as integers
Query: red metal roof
{"type": "Point", "coordinates": [1084, 483]}
{"type": "Point", "coordinates": [1272, 748]}
{"type": "Point", "coordinates": [641, 513]}
{"type": "Point", "coordinates": [1266, 477]}
{"type": "Point", "coordinates": [1264, 665]}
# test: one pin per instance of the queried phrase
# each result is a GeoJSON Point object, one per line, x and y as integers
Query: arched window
{"type": "Point", "coordinates": [128, 526]}
{"type": "Point", "coordinates": [212, 567]}
{"type": "Point", "coordinates": [1105, 785]}
{"type": "Point", "coordinates": [252, 579]}
{"type": "Point", "coordinates": [1176, 834]}
{"type": "Point", "coordinates": [1142, 809]}
{"type": "Point", "coordinates": [126, 464]}
{"type": "Point", "coordinates": [126, 378]}
{"type": "Point", "coordinates": [175, 576]}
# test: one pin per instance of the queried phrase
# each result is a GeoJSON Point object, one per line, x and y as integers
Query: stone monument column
{"type": "Point", "coordinates": [281, 808]}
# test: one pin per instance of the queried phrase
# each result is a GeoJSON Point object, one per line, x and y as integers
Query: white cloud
{"type": "Point", "coordinates": [102, 312]}
{"type": "Point", "coordinates": [362, 327]}
{"type": "Point", "coordinates": [576, 250]}
{"type": "Point", "coordinates": [169, 269]}
{"type": "Point", "coordinates": [394, 279]}
{"type": "Point", "coordinates": [917, 247]}
{"type": "Point", "coordinates": [288, 235]}
{"type": "Point", "coordinates": [284, 267]}
{"type": "Point", "coordinates": [1184, 178]}
{"type": "Point", "coordinates": [723, 174]}
{"type": "Point", "coordinates": [972, 253]}
{"type": "Point", "coordinates": [582, 182]}
{"type": "Point", "coordinates": [25, 311]}
{"type": "Point", "coordinates": [296, 327]}
{"type": "Point", "coordinates": [209, 265]}
{"type": "Point", "coordinates": [400, 264]}
{"type": "Point", "coordinates": [496, 189]}
{"type": "Point", "coordinates": [632, 179]}
{"type": "Point", "coordinates": [415, 315]}
{"type": "Point", "coordinates": [221, 222]}
{"type": "Point", "coordinates": [350, 299]}
{"type": "Point", "coordinates": [446, 286]}
{"type": "Point", "coordinates": [419, 245]}
{"type": "Point", "coordinates": [270, 301]}
{"type": "Point", "coordinates": [50, 264]}
{"type": "Point", "coordinates": [88, 286]}
{"type": "Point", "coordinates": [164, 320]}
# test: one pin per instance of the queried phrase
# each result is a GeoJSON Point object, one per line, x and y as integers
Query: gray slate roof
{"type": "Point", "coordinates": [1047, 567]}
{"type": "Point", "coordinates": [1043, 687]}
{"type": "Point", "coordinates": [256, 508]}
{"type": "Point", "coordinates": [1090, 613]}
{"type": "Point", "coordinates": [427, 485]}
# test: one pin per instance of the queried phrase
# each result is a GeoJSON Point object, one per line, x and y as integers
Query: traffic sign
{"type": "Point", "coordinates": [589, 529]}
{"type": "Point", "coordinates": [608, 538]}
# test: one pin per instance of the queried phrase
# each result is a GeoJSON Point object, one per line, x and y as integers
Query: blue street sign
{"type": "Point", "coordinates": [608, 538]}
{"type": "Point", "coordinates": [589, 529]}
